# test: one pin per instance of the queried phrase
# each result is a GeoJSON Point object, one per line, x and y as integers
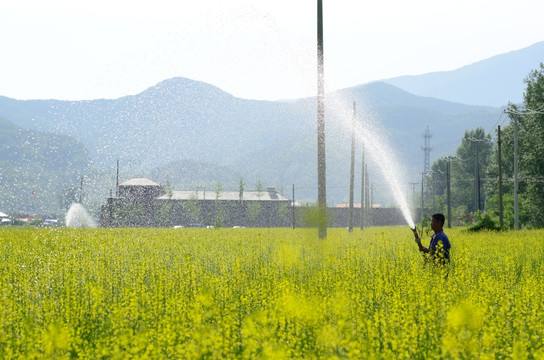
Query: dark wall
{"type": "Point", "coordinates": [121, 212]}
{"type": "Point", "coordinates": [375, 217]}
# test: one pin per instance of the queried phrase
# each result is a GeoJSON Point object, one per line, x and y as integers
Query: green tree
{"type": "Point", "coordinates": [530, 120]}
{"type": "Point", "coordinates": [220, 216]}
{"type": "Point", "coordinates": [218, 190]}
{"type": "Point", "coordinates": [164, 213]}
{"type": "Point", "coordinates": [136, 215]}
{"type": "Point", "coordinates": [531, 161]}
{"type": "Point", "coordinates": [68, 196]}
{"type": "Point", "coordinates": [220, 213]}
{"type": "Point", "coordinates": [253, 210]}
{"type": "Point", "coordinates": [492, 206]}
{"type": "Point", "coordinates": [241, 185]}
{"type": "Point", "coordinates": [168, 189]}
{"type": "Point", "coordinates": [283, 211]}
{"type": "Point", "coordinates": [468, 169]}
{"type": "Point", "coordinates": [191, 208]}
{"type": "Point", "coordinates": [259, 188]}
{"type": "Point", "coordinates": [437, 179]}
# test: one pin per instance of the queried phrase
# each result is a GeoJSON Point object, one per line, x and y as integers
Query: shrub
{"type": "Point", "coordinates": [485, 222]}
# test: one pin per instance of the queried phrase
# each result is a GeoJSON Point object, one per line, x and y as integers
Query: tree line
{"type": "Point", "coordinates": [475, 169]}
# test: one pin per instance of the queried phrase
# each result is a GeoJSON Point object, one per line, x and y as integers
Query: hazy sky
{"type": "Point", "coordinates": [256, 49]}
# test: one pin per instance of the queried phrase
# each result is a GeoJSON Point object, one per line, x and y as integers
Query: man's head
{"type": "Point", "coordinates": [437, 221]}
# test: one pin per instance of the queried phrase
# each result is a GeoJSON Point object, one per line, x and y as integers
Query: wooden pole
{"type": "Point", "coordinates": [352, 171]}
{"type": "Point", "coordinates": [321, 160]}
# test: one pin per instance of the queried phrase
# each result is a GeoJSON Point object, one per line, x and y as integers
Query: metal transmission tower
{"type": "Point", "coordinates": [427, 149]}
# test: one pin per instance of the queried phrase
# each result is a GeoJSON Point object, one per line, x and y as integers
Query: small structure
{"type": "Point", "coordinates": [24, 217]}
{"type": "Point", "coordinates": [140, 190]}
{"type": "Point", "coordinates": [143, 203]}
{"type": "Point", "coordinates": [49, 222]}
{"type": "Point", "coordinates": [4, 219]}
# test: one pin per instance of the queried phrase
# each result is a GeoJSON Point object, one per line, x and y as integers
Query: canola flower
{"type": "Point", "coordinates": [268, 293]}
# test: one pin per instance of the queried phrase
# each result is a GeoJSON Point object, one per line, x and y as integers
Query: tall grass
{"type": "Point", "coordinates": [268, 293]}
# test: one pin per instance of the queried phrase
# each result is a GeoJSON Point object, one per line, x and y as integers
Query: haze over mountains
{"type": "Point", "coordinates": [193, 134]}
{"type": "Point", "coordinates": [492, 82]}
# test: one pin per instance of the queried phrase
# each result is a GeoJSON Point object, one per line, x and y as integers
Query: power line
{"type": "Point", "coordinates": [479, 140]}
{"type": "Point", "coordinates": [498, 120]}
{"type": "Point", "coordinates": [539, 110]}
{"type": "Point", "coordinates": [456, 157]}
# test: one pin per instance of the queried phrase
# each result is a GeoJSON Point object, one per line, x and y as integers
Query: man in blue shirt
{"type": "Point", "coordinates": [440, 246]}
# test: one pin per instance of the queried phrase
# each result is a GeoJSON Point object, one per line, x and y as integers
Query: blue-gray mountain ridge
{"type": "Point", "coordinates": [493, 82]}
{"type": "Point", "coordinates": [170, 128]}
{"type": "Point", "coordinates": [269, 141]}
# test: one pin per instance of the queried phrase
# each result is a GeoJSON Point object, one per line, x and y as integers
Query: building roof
{"type": "Point", "coordinates": [139, 182]}
{"type": "Point", "coordinates": [3, 215]}
{"type": "Point", "coordinates": [225, 195]}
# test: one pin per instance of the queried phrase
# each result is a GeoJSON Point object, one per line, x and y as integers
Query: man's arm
{"type": "Point", "coordinates": [423, 249]}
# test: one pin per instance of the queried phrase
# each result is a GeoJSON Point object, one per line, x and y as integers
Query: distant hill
{"type": "Point", "coordinates": [193, 134]}
{"type": "Point", "coordinates": [39, 169]}
{"type": "Point", "coordinates": [188, 174]}
{"type": "Point", "coordinates": [274, 142]}
{"type": "Point", "coordinates": [493, 82]}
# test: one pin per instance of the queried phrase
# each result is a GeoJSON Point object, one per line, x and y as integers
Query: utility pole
{"type": "Point", "coordinates": [352, 172]}
{"type": "Point", "coordinates": [422, 199]}
{"type": "Point", "coordinates": [293, 206]}
{"type": "Point", "coordinates": [321, 162]}
{"type": "Point", "coordinates": [477, 178]}
{"type": "Point", "coordinates": [371, 195]}
{"type": "Point", "coordinates": [368, 200]}
{"type": "Point", "coordinates": [516, 204]}
{"type": "Point", "coordinates": [117, 181]}
{"type": "Point", "coordinates": [81, 191]}
{"type": "Point", "coordinates": [501, 219]}
{"type": "Point", "coordinates": [363, 190]}
{"type": "Point", "coordinates": [110, 209]}
{"type": "Point", "coordinates": [514, 116]}
{"type": "Point", "coordinates": [448, 182]}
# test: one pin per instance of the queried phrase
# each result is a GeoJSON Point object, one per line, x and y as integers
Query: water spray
{"type": "Point", "coordinates": [379, 150]}
{"type": "Point", "coordinates": [78, 217]}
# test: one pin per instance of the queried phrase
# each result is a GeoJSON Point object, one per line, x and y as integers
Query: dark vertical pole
{"type": "Point", "coordinates": [448, 179]}
{"type": "Point", "coordinates": [363, 190]}
{"type": "Point", "coordinates": [368, 203]}
{"type": "Point", "coordinates": [479, 202]}
{"type": "Point", "coordinates": [293, 206]}
{"type": "Point", "coordinates": [414, 199]}
{"type": "Point", "coordinates": [117, 181]}
{"type": "Point", "coordinates": [371, 201]}
{"type": "Point", "coordinates": [321, 167]}
{"type": "Point", "coordinates": [352, 171]}
{"type": "Point", "coordinates": [422, 199]}
{"type": "Point", "coordinates": [501, 219]}
{"type": "Point", "coordinates": [516, 184]}
{"type": "Point", "coordinates": [110, 208]}
{"type": "Point", "coordinates": [81, 191]}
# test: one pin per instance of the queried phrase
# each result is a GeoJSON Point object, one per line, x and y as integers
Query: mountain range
{"type": "Point", "coordinates": [36, 167]}
{"type": "Point", "coordinates": [493, 82]}
{"type": "Point", "coordinates": [193, 134]}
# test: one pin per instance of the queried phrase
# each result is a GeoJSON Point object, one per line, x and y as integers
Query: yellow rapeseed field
{"type": "Point", "coordinates": [268, 293]}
